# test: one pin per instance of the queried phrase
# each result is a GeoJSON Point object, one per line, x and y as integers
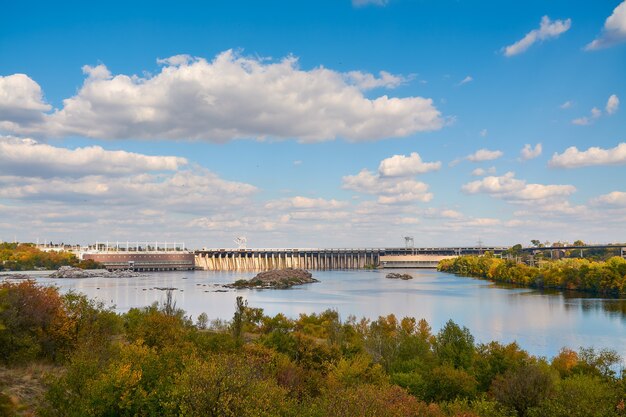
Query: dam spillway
{"type": "Point", "coordinates": [328, 259]}
{"type": "Point", "coordinates": [267, 259]}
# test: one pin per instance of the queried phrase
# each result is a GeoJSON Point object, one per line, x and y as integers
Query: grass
{"type": "Point", "coordinates": [22, 388]}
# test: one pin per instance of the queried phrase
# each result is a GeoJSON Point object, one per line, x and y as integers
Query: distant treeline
{"type": "Point", "coordinates": [26, 256]}
{"type": "Point", "coordinates": [156, 361]}
{"type": "Point", "coordinates": [604, 278]}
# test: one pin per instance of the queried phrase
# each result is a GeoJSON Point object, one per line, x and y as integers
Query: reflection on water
{"type": "Point", "coordinates": [541, 321]}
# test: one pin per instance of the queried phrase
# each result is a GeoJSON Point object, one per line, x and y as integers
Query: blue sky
{"type": "Point", "coordinates": [265, 122]}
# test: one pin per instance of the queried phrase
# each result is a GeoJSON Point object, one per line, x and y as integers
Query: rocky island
{"type": "Point", "coordinates": [72, 272]}
{"type": "Point", "coordinates": [278, 278]}
{"type": "Point", "coordinates": [395, 275]}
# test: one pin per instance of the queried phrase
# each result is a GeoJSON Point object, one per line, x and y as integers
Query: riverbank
{"type": "Point", "coordinates": [26, 257]}
{"type": "Point", "coordinates": [602, 279]}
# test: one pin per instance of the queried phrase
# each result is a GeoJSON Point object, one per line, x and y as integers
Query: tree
{"type": "Point", "coordinates": [455, 345]}
{"type": "Point", "coordinates": [203, 321]}
{"type": "Point", "coordinates": [581, 396]}
{"type": "Point", "coordinates": [525, 387]}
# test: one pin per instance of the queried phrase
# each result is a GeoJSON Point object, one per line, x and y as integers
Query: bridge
{"type": "Point", "coordinates": [328, 259]}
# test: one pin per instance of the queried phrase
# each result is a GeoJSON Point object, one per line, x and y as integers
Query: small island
{"type": "Point", "coordinates": [395, 275]}
{"type": "Point", "coordinates": [278, 279]}
{"type": "Point", "coordinates": [73, 272]}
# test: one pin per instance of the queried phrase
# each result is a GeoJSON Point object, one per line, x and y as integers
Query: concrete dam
{"type": "Point", "coordinates": [329, 259]}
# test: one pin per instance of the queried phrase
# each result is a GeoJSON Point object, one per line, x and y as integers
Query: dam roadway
{"type": "Point", "coordinates": [329, 259]}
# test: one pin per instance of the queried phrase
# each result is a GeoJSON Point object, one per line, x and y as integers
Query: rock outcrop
{"type": "Point", "coordinates": [15, 276]}
{"type": "Point", "coordinates": [278, 278]}
{"type": "Point", "coordinates": [395, 275]}
{"type": "Point", "coordinates": [71, 272]}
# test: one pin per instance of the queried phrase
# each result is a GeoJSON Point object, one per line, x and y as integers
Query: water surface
{"type": "Point", "coordinates": [541, 322]}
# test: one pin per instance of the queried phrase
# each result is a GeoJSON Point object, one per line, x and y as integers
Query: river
{"type": "Point", "coordinates": [541, 322]}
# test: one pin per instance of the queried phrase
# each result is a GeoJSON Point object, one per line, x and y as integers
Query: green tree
{"type": "Point", "coordinates": [524, 388]}
{"type": "Point", "coordinates": [455, 345]}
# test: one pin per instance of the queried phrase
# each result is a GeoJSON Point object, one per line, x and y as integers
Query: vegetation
{"type": "Point", "coordinates": [155, 361]}
{"type": "Point", "coordinates": [25, 256]}
{"type": "Point", "coordinates": [604, 278]}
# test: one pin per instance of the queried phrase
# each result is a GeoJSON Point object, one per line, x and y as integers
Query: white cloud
{"type": "Point", "coordinates": [389, 190]}
{"type": "Point", "coordinates": [614, 30]}
{"type": "Point", "coordinates": [367, 81]}
{"type": "Point", "coordinates": [511, 188]}
{"type": "Point", "coordinates": [19, 156]}
{"type": "Point", "coordinates": [547, 29]}
{"type": "Point", "coordinates": [528, 152]}
{"type": "Point", "coordinates": [612, 104]}
{"type": "Point", "coordinates": [35, 173]}
{"type": "Point", "coordinates": [304, 203]}
{"type": "Point", "coordinates": [199, 190]}
{"type": "Point", "coordinates": [466, 80]}
{"type": "Point", "coordinates": [568, 104]}
{"type": "Point", "coordinates": [21, 101]}
{"type": "Point", "coordinates": [484, 155]}
{"type": "Point", "coordinates": [228, 98]}
{"type": "Point", "coordinates": [479, 172]}
{"type": "Point", "coordinates": [451, 214]}
{"type": "Point", "coordinates": [361, 3]}
{"type": "Point", "coordinates": [401, 166]}
{"type": "Point", "coordinates": [615, 198]}
{"type": "Point", "coordinates": [481, 221]}
{"type": "Point", "coordinates": [573, 158]}
{"type": "Point", "coordinates": [584, 121]}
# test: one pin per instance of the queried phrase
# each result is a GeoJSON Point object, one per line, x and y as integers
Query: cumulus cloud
{"type": "Point", "coordinates": [574, 158]}
{"type": "Point", "coordinates": [615, 198]}
{"type": "Point", "coordinates": [402, 166]}
{"type": "Point", "coordinates": [305, 203]}
{"type": "Point", "coordinates": [614, 30]}
{"type": "Point", "coordinates": [389, 190]}
{"type": "Point", "coordinates": [612, 104]}
{"type": "Point", "coordinates": [484, 155]}
{"type": "Point", "coordinates": [584, 121]}
{"type": "Point", "coordinates": [230, 97]}
{"type": "Point", "coordinates": [528, 152]}
{"type": "Point", "coordinates": [548, 29]}
{"type": "Point", "coordinates": [21, 101]}
{"type": "Point", "coordinates": [511, 188]}
{"type": "Point", "coordinates": [479, 172]}
{"type": "Point", "coordinates": [367, 81]}
{"type": "Point", "coordinates": [451, 214]}
{"type": "Point", "coordinates": [33, 172]}
{"type": "Point", "coordinates": [568, 104]}
{"type": "Point", "coordinates": [23, 156]}
{"type": "Point", "coordinates": [199, 190]}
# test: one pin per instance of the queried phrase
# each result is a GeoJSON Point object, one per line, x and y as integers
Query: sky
{"type": "Point", "coordinates": [313, 124]}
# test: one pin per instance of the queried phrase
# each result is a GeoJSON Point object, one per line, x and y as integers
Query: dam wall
{"type": "Point", "coordinates": [328, 259]}
{"type": "Point", "coordinates": [263, 260]}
